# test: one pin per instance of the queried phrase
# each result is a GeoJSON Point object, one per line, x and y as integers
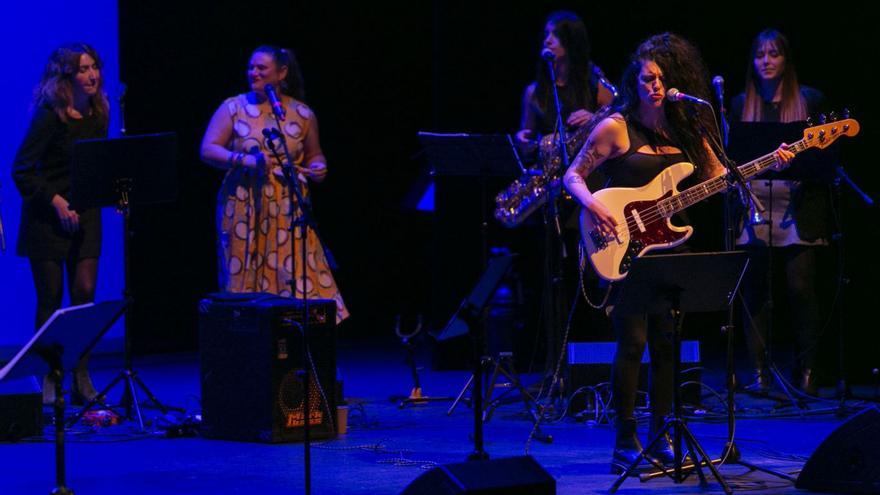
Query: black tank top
{"type": "Point", "coordinates": [634, 169]}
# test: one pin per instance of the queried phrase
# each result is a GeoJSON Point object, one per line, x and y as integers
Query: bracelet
{"type": "Point", "coordinates": [235, 159]}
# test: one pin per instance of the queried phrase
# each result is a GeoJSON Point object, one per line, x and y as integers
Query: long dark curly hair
{"type": "Point", "coordinates": [683, 68]}
{"type": "Point", "coordinates": [293, 84]}
{"type": "Point", "coordinates": [572, 33]}
{"type": "Point", "coordinates": [56, 86]}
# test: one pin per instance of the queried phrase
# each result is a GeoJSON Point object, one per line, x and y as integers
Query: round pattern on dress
{"type": "Point", "coordinates": [257, 261]}
{"type": "Point", "coordinates": [232, 108]}
{"type": "Point", "coordinates": [282, 236]}
{"type": "Point", "coordinates": [304, 111]}
{"type": "Point", "coordinates": [252, 110]}
{"type": "Point", "coordinates": [268, 190]}
{"type": "Point", "coordinates": [272, 260]}
{"type": "Point", "coordinates": [241, 128]}
{"type": "Point", "coordinates": [264, 226]}
{"type": "Point", "coordinates": [273, 209]}
{"type": "Point", "coordinates": [241, 230]}
{"type": "Point", "coordinates": [288, 264]}
{"type": "Point", "coordinates": [309, 285]}
{"type": "Point", "coordinates": [325, 279]}
{"type": "Point", "coordinates": [265, 284]}
{"type": "Point", "coordinates": [293, 130]}
{"type": "Point", "coordinates": [230, 208]}
{"type": "Point", "coordinates": [234, 266]}
{"type": "Point", "coordinates": [241, 193]}
{"type": "Point", "coordinates": [311, 258]}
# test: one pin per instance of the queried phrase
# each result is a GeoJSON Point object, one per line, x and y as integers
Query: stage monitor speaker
{"type": "Point", "coordinates": [251, 368]}
{"type": "Point", "coordinates": [848, 461]}
{"type": "Point", "coordinates": [507, 476]}
{"type": "Point", "coordinates": [21, 409]}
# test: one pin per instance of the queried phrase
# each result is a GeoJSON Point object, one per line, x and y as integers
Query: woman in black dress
{"type": "Point", "coordinates": [69, 105]}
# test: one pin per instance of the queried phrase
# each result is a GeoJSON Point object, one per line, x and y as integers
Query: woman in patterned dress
{"type": "Point", "coordinates": [258, 251]}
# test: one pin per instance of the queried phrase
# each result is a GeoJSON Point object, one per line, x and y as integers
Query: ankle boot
{"type": "Point", "coordinates": [83, 390]}
{"type": "Point", "coordinates": [761, 382]}
{"type": "Point", "coordinates": [626, 445]}
{"type": "Point", "coordinates": [808, 382]}
{"type": "Point", "coordinates": [662, 451]}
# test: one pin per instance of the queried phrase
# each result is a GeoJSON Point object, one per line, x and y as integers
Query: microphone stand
{"type": "Point", "coordinates": [840, 176]}
{"type": "Point", "coordinates": [554, 299]}
{"type": "Point", "coordinates": [305, 222]}
{"type": "Point", "coordinates": [734, 178]}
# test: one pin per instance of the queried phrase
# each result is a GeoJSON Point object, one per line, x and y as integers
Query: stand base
{"type": "Point", "coordinates": [129, 399]}
{"type": "Point", "coordinates": [680, 471]}
{"type": "Point", "coordinates": [416, 398]}
{"type": "Point", "coordinates": [62, 490]}
{"type": "Point", "coordinates": [504, 366]}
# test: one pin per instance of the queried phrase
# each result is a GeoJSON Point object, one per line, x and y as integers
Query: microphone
{"type": "Point", "coordinates": [277, 106]}
{"type": "Point", "coordinates": [271, 133]}
{"type": "Point", "coordinates": [547, 54]}
{"type": "Point", "coordinates": [675, 95]}
{"type": "Point", "coordinates": [718, 82]}
{"type": "Point", "coordinates": [604, 82]}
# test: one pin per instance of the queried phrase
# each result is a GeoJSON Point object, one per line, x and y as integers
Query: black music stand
{"type": "Point", "coordinates": [121, 172]}
{"type": "Point", "coordinates": [67, 336]}
{"type": "Point", "coordinates": [470, 319]}
{"type": "Point", "coordinates": [671, 285]}
{"type": "Point", "coordinates": [473, 155]}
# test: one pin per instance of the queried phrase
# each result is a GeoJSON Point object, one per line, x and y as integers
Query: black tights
{"type": "Point", "coordinates": [48, 276]}
{"type": "Point", "coordinates": [799, 263]}
{"type": "Point", "coordinates": [633, 332]}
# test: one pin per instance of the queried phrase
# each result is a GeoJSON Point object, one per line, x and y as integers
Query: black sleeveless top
{"type": "Point", "coordinates": [569, 100]}
{"type": "Point", "coordinates": [634, 169]}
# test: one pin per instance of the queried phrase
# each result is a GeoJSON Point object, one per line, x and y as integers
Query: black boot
{"type": "Point", "coordinates": [626, 445]}
{"type": "Point", "coordinates": [808, 382]}
{"type": "Point", "coordinates": [761, 384]}
{"type": "Point", "coordinates": [662, 451]}
{"type": "Point", "coordinates": [82, 390]}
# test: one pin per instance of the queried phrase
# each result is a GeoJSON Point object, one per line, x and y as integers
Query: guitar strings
{"type": "Point", "coordinates": [687, 197]}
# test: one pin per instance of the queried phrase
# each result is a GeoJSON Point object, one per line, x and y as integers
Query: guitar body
{"type": "Point", "coordinates": [640, 226]}
{"type": "Point", "coordinates": [642, 213]}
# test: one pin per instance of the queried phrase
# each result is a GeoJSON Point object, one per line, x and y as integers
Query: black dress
{"type": "Point", "coordinates": [41, 170]}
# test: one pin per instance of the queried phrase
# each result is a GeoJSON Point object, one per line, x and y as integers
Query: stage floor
{"type": "Point", "coordinates": [385, 448]}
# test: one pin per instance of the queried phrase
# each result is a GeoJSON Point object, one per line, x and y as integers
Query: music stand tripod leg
{"type": "Point", "coordinates": [460, 395]}
{"type": "Point", "coordinates": [99, 399]}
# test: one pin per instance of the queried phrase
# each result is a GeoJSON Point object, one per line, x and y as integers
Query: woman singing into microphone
{"type": "Point", "coordinates": [577, 80]}
{"type": "Point", "coordinates": [258, 251]}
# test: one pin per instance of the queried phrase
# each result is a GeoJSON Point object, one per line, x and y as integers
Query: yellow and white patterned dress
{"type": "Point", "coordinates": [257, 250]}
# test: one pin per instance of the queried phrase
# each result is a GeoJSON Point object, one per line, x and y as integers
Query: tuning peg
{"type": "Point", "coordinates": [822, 118]}
{"type": "Point", "coordinates": [846, 113]}
{"type": "Point", "coordinates": [809, 121]}
{"type": "Point", "coordinates": [833, 116]}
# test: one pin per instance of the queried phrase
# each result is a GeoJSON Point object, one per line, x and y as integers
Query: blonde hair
{"type": "Point", "coordinates": [793, 106]}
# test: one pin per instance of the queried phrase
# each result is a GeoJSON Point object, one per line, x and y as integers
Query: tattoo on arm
{"type": "Point", "coordinates": [574, 179]}
{"type": "Point", "coordinates": [596, 149]}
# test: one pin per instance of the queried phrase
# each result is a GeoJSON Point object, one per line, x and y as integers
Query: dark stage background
{"type": "Point", "coordinates": [377, 74]}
